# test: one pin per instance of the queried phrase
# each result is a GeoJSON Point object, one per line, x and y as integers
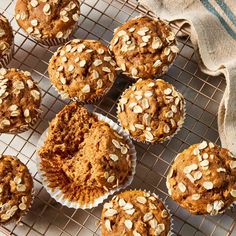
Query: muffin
{"type": "Point", "coordinates": [6, 41]}
{"type": "Point", "coordinates": [144, 47]}
{"type": "Point", "coordinates": [202, 179]}
{"type": "Point", "coordinates": [16, 189]}
{"type": "Point", "coordinates": [20, 100]}
{"type": "Point", "coordinates": [50, 22]}
{"type": "Point", "coordinates": [135, 213]}
{"type": "Point", "coordinates": [83, 70]}
{"type": "Point", "coordinates": [151, 110]}
{"type": "Point", "coordinates": [83, 157]}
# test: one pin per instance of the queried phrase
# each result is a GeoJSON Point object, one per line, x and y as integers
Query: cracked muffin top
{"type": "Point", "coordinates": [47, 19]}
{"type": "Point", "coordinates": [151, 110]}
{"type": "Point", "coordinates": [6, 35]}
{"type": "Point", "coordinates": [144, 47]}
{"type": "Point", "coordinates": [202, 179]}
{"type": "Point", "coordinates": [83, 70]}
{"type": "Point", "coordinates": [135, 213]}
{"type": "Point", "coordinates": [82, 156]}
{"type": "Point", "coordinates": [16, 186]}
{"type": "Point", "coordinates": [20, 100]}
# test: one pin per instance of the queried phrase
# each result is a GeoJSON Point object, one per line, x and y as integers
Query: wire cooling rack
{"type": "Point", "coordinates": [203, 94]}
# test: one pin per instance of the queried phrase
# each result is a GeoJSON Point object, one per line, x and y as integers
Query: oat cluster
{"type": "Point", "coordinates": [151, 110]}
{"type": "Point", "coordinates": [144, 47]}
{"type": "Point", "coordinates": [82, 156]}
{"type": "Point", "coordinates": [15, 189]}
{"type": "Point", "coordinates": [6, 36]}
{"type": "Point", "coordinates": [47, 19]}
{"type": "Point", "coordinates": [203, 179]}
{"type": "Point", "coordinates": [82, 69]}
{"type": "Point", "coordinates": [19, 100]}
{"type": "Point", "coordinates": [135, 213]}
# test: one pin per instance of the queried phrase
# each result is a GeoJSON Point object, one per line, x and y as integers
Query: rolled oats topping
{"type": "Point", "coordinates": [47, 19]}
{"type": "Point", "coordinates": [16, 189]}
{"type": "Point", "coordinates": [202, 179]}
{"type": "Point", "coordinates": [148, 112]}
{"type": "Point", "coordinates": [81, 71]}
{"type": "Point", "coordinates": [6, 36]}
{"type": "Point", "coordinates": [144, 47]}
{"type": "Point", "coordinates": [135, 212]}
{"type": "Point", "coordinates": [20, 100]}
{"type": "Point", "coordinates": [89, 154]}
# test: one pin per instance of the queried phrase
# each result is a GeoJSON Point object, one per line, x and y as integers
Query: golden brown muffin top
{"type": "Point", "coordinates": [202, 179]}
{"type": "Point", "coordinates": [47, 19]}
{"type": "Point", "coordinates": [135, 213]}
{"type": "Point", "coordinates": [19, 100]}
{"type": "Point", "coordinates": [83, 157]}
{"type": "Point", "coordinates": [151, 110]}
{"type": "Point", "coordinates": [82, 69]}
{"type": "Point", "coordinates": [15, 188]}
{"type": "Point", "coordinates": [6, 35]}
{"type": "Point", "coordinates": [144, 47]}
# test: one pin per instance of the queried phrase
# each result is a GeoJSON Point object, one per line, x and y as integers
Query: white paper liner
{"type": "Point", "coordinates": [58, 195]}
{"type": "Point", "coordinates": [146, 142]}
{"type": "Point", "coordinates": [5, 59]}
{"type": "Point", "coordinates": [165, 205]}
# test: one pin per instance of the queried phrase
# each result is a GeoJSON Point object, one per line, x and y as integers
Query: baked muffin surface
{"type": "Point", "coordinates": [151, 110]}
{"type": "Point", "coordinates": [83, 70]}
{"type": "Point", "coordinates": [135, 213]}
{"type": "Point", "coordinates": [16, 186]}
{"type": "Point", "coordinates": [202, 179]}
{"type": "Point", "coordinates": [82, 156]}
{"type": "Point", "coordinates": [6, 35]}
{"type": "Point", "coordinates": [144, 47]}
{"type": "Point", "coordinates": [20, 100]}
{"type": "Point", "coordinates": [47, 19]}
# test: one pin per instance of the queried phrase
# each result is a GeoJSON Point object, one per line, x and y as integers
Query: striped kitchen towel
{"type": "Point", "coordinates": [212, 27]}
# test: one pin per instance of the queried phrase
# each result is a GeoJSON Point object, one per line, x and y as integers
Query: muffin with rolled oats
{"type": "Point", "coordinates": [6, 41]}
{"type": "Point", "coordinates": [144, 47]}
{"type": "Point", "coordinates": [16, 189]}
{"type": "Point", "coordinates": [202, 179]}
{"type": "Point", "coordinates": [50, 22]}
{"type": "Point", "coordinates": [151, 110]}
{"type": "Point", "coordinates": [135, 213]}
{"type": "Point", "coordinates": [83, 158]}
{"type": "Point", "coordinates": [20, 100]}
{"type": "Point", "coordinates": [83, 70]}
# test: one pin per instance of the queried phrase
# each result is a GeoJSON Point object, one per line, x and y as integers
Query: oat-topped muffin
{"type": "Point", "coordinates": [135, 213]}
{"type": "Point", "coordinates": [83, 70]}
{"type": "Point", "coordinates": [202, 179]}
{"type": "Point", "coordinates": [16, 186]}
{"type": "Point", "coordinates": [151, 110]}
{"type": "Point", "coordinates": [6, 41]}
{"type": "Point", "coordinates": [51, 21]}
{"type": "Point", "coordinates": [83, 157]}
{"type": "Point", "coordinates": [144, 47]}
{"type": "Point", "coordinates": [19, 101]}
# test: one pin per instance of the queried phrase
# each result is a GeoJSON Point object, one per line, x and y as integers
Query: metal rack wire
{"type": "Point", "coordinates": [203, 94]}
